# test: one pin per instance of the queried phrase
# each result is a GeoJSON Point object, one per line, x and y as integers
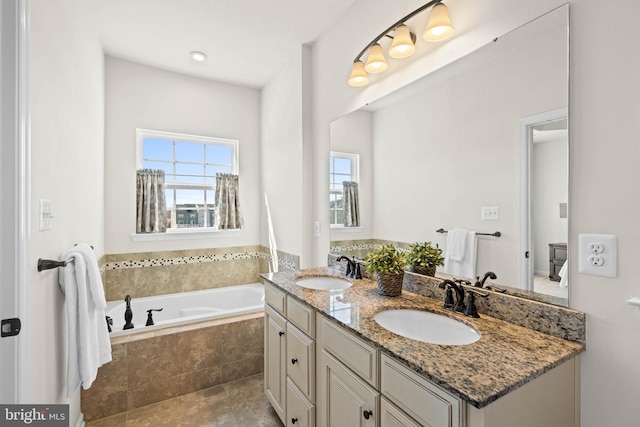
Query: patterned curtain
{"type": "Point", "coordinates": [227, 202]}
{"type": "Point", "coordinates": [151, 212]}
{"type": "Point", "coordinates": [351, 217]}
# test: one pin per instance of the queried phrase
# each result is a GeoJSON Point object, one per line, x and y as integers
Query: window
{"type": "Point", "coordinates": [342, 167]}
{"type": "Point", "coordinates": [190, 164]}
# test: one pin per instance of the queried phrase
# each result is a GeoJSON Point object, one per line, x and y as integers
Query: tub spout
{"type": "Point", "coordinates": [128, 314]}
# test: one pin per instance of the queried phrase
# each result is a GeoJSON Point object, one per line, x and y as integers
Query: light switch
{"type": "Point", "coordinates": [46, 215]}
{"type": "Point", "coordinates": [489, 212]}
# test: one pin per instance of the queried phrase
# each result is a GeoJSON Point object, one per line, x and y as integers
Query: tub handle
{"type": "Point", "coordinates": [150, 316]}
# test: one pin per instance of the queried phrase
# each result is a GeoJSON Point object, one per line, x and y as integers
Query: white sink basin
{"type": "Point", "coordinates": [427, 327]}
{"type": "Point", "coordinates": [323, 283]}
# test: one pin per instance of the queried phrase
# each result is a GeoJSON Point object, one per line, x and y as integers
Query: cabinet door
{"type": "Point", "coordinates": [301, 356]}
{"type": "Point", "coordinates": [343, 398]}
{"type": "Point", "coordinates": [390, 416]}
{"type": "Point", "coordinates": [274, 360]}
{"type": "Point", "coordinates": [300, 412]}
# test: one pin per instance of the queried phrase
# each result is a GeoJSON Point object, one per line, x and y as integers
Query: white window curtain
{"type": "Point", "coordinates": [351, 217]}
{"type": "Point", "coordinates": [227, 202]}
{"type": "Point", "coordinates": [151, 211]}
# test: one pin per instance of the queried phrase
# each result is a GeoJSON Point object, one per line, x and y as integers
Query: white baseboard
{"type": "Point", "coordinates": [80, 422]}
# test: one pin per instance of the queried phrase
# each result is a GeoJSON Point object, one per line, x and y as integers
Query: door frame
{"type": "Point", "coordinates": [525, 264]}
{"type": "Point", "coordinates": [14, 186]}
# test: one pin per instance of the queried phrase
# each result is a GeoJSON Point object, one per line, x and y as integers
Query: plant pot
{"type": "Point", "coordinates": [425, 271]}
{"type": "Point", "coordinates": [389, 284]}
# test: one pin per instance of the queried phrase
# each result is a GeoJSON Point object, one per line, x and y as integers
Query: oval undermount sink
{"type": "Point", "coordinates": [323, 283]}
{"type": "Point", "coordinates": [427, 327]}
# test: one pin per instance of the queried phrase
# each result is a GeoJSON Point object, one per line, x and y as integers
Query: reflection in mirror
{"type": "Point", "coordinates": [435, 153]}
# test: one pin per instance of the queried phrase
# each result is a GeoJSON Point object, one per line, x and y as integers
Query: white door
{"type": "Point", "coordinates": [530, 218]}
{"type": "Point", "coordinates": [13, 201]}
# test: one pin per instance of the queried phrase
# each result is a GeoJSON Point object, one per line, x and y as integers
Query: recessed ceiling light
{"type": "Point", "coordinates": [198, 56]}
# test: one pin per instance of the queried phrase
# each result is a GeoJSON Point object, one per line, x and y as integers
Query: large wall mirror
{"type": "Point", "coordinates": [487, 131]}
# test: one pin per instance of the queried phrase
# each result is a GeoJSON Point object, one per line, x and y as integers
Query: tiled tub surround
{"type": "Point", "coordinates": [158, 273]}
{"type": "Point", "coordinates": [506, 357]}
{"type": "Point", "coordinates": [162, 364]}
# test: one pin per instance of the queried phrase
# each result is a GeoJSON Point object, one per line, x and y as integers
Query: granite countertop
{"type": "Point", "coordinates": [505, 357]}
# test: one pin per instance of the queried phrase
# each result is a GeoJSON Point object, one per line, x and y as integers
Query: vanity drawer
{"type": "Point", "coordinates": [275, 298]}
{"type": "Point", "coordinates": [359, 356]}
{"type": "Point", "coordinates": [302, 316]}
{"type": "Point", "coordinates": [301, 355]}
{"type": "Point", "coordinates": [423, 401]}
{"type": "Point", "coordinates": [300, 412]}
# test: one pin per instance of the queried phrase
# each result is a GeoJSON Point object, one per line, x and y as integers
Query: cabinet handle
{"type": "Point", "coordinates": [281, 333]}
{"type": "Point", "coordinates": [294, 420]}
{"type": "Point", "coordinates": [294, 360]}
{"type": "Point", "coordinates": [367, 414]}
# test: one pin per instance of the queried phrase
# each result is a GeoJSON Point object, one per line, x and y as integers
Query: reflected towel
{"type": "Point", "coordinates": [466, 265]}
{"type": "Point", "coordinates": [89, 346]}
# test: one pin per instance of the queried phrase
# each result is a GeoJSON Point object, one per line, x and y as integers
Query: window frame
{"type": "Point", "coordinates": [355, 176]}
{"type": "Point", "coordinates": [183, 232]}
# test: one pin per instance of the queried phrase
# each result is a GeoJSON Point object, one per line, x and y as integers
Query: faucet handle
{"type": "Point", "coordinates": [150, 316]}
{"type": "Point", "coordinates": [471, 309]}
{"type": "Point", "coordinates": [357, 274]}
{"type": "Point", "coordinates": [462, 281]}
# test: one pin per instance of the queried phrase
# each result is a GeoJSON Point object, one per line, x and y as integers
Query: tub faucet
{"type": "Point", "coordinates": [128, 314]}
{"type": "Point", "coordinates": [150, 316]}
{"type": "Point", "coordinates": [448, 302]}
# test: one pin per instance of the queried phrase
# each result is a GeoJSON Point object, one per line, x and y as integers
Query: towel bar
{"type": "Point", "coordinates": [496, 234]}
{"type": "Point", "coordinates": [49, 264]}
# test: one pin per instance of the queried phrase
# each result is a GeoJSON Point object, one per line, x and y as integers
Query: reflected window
{"type": "Point", "coordinates": [342, 167]}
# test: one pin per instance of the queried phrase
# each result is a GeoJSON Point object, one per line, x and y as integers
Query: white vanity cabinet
{"type": "Point", "coordinates": [289, 358]}
{"type": "Point", "coordinates": [358, 386]}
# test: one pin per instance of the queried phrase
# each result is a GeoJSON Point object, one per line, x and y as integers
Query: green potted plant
{"type": "Point", "coordinates": [423, 258]}
{"type": "Point", "coordinates": [387, 265]}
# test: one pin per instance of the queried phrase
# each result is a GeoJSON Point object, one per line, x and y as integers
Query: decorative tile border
{"type": "Point", "coordinates": [286, 261]}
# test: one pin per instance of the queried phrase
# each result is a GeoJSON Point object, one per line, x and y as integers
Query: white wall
{"type": "Point", "coordinates": [67, 100]}
{"type": "Point", "coordinates": [354, 134]}
{"type": "Point", "coordinates": [282, 158]}
{"type": "Point", "coordinates": [137, 96]}
{"type": "Point", "coordinates": [604, 112]}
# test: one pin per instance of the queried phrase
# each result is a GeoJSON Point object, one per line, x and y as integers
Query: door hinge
{"type": "Point", "coordinates": [10, 327]}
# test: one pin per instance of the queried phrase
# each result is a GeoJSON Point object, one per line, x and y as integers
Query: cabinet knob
{"type": "Point", "coordinates": [367, 414]}
{"type": "Point", "coordinates": [294, 360]}
{"type": "Point", "coordinates": [281, 333]}
{"type": "Point", "coordinates": [294, 420]}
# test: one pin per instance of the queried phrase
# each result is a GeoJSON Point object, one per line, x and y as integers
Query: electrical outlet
{"type": "Point", "coordinates": [597, 254]}
{"type": "Point", "coordinates": [596, 248]}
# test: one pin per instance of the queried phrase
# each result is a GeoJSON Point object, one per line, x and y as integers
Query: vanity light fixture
{"type": "Point", "coordinates": [403, 45]}
{"type": "Point", "coordinates": [198, 56]}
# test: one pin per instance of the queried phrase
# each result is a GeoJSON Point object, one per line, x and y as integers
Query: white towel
{"type": "Point", "coordinates": [564, 277]}
{"type": "Point", "coordinates": [89, 346]}
{"type": "Point", "coordinates": [460, 257]}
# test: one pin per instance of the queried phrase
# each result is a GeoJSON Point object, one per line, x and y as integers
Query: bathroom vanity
{"type": "Point", "coordinates": [328, 363]}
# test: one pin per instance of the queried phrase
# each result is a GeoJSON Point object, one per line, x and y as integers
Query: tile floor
{"type": "Point", "coordinates": [237, 404]}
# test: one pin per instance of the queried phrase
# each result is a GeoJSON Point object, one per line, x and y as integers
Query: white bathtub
{"type": "Point", "coordinates": [187, 307]}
